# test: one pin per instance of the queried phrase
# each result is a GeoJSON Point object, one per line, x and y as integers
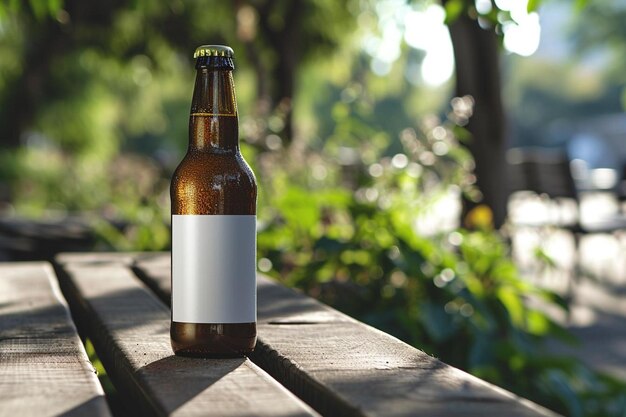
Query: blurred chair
{"type": "Point", "coordinates": [596, 163]}
{"type": "Point", "coordinates": [621, 190]}
{"type": "Point", "coordinates": [549, 175]}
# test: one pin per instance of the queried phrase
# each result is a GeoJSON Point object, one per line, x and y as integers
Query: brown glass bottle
{"type": "Point", "coordinates": [213, 181]}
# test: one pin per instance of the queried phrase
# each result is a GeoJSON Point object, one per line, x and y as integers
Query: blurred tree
{"type": "Point", "coordinates": [51, 34]}
{"type": "Point", "coordinates": [476, 37]}
{"type": "Point", "coordinates": [548, 110]}
{"type": "Point", "coordinates": [601, 30]}
{"type": "Point", "coordinates": [476, 55]}
{"type": "Point", "coordinates": [278, 36]}
{"type": "Point", "coordinates": [117, 30]}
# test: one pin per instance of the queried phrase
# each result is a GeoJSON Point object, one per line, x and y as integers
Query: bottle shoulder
{"type": "Point", "coordinates": [212, 159]}
{"type": "Point", "coordinates": [217, 169]}
{"type": "Point", "coordinates": [213, 184]}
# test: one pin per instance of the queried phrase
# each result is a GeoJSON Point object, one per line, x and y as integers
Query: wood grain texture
{"type": "Point", "coordinates": [342, 367]}
{"type": "Point", "coordinates": [44, 370]}
{"type": "Point", "coordinates": [97, 258]}
{"type": "Point", "coordinates": [129, 327]}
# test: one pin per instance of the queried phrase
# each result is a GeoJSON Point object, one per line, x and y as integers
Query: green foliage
{"type": "Point", "coordinates": [454, 8]}
{"type": "Point", "coordinates": [533, 5]}
{"type": "Point", "coordinates": [107, 385]}
{"type": "Point", "coordinates": [600, 28]}
{"type": "Point", "coordinates": [39, 8]}
{"type": "Point", "coordinates": [125, 198]}
{"type": "Point", "coordinates": [456, 293]}
{"type": "Point", "coordinates": [496, 16]}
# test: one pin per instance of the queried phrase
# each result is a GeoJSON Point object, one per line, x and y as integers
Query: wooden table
{"type": "Point", "coordinates": [310, 359]}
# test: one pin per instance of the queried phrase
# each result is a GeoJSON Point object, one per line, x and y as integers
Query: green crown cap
{"type": "Point", "coordinates": [213, 50]}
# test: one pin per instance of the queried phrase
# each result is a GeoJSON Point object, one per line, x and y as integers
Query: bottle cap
{"type": "Point", "coordinates": [213, 50]}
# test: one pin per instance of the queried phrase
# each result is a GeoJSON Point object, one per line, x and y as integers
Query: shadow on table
{"type": "Point", "coordinates": [175, 381]}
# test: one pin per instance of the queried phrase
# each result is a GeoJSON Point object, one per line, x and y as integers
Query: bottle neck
{"type": "Point", "coordinates": [213, 123]}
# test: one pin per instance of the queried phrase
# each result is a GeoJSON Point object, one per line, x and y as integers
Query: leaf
{"type": "Point", "coordinates": [14, 5]}
{"type": "Point", "coordinates": [554, 298]}
{"type": "Point", "coordinates": [538, 323]}
{"type": "Point", "coordinates": [513, 305]}
{"type": "Point", "coordinates": [580, 5]}
{"type": "Point", "coordinates": [462, 134]}
{"type": "Point", "coordinates": [454, 8]}
{"type": "Point", "coordinates": [543, 257]}
{"type": "Point", "coordinates": [532, 5]}
{"type": "Point", "coordinates": [54, 6]}
{"type": "Point", "coordinates": [39, 8]}
{"type": "Point", "coordinates": [299, 208]}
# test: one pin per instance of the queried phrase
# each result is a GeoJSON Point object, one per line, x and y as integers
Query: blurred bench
{"type": "Point", "coordinates": [309, 358]}
{"type": "Point", "coordinates": [26, 239]}
{"type": "Point", "coordinates": [548, 174]}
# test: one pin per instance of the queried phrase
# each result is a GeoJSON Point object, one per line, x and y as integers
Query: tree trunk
{"type": "Point", "coordinates": [288, 60]}
{"type": "Point", "coordinates": [23, 95]}
{"type": "Point", "coordinates": [286, 41]}
{"type": "Point", "coordinates": [47, 39]}
{"type": "Point", "coordinates": [476, 54]}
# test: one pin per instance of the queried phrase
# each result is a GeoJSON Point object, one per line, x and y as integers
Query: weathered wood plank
{"type": "Point", "coordinates": [44, 370]}
{"type": "Point", "coordinates": [130, 330]}
{"type": "Point", "coordinates": [27, 239]}
{"type": "Point", "coordinates": [97, 258]}
{"type": "Point", "coordinates": [343, 367]}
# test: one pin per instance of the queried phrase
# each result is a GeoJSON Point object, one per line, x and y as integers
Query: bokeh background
{"type": "Point", "coordinates": [450, 172]}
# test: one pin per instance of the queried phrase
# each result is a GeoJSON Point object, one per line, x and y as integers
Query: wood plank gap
{"type": "Point", "coordinates": [129, 328]}
{"type": "Point", "coordinates": [44, 369]}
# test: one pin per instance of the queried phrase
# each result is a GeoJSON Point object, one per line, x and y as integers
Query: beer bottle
{"type": "Point", "coordinates": [213, 194]}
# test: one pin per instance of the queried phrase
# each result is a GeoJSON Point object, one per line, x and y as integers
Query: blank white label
{"type": "Point", "coordinates": [214, 268]}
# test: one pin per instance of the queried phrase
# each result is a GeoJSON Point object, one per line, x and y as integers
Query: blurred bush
{"type": "Point", "coordinates": [356, 235]}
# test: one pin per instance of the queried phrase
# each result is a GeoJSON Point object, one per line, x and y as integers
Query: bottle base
{"type": "Point", "coordinates": [211, 340]}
